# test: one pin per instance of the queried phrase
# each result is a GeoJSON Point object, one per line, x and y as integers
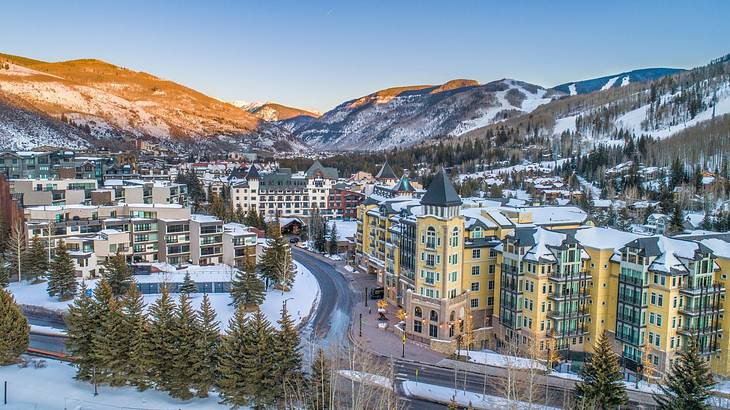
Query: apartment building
{"type": "Point", "coordinates": [37, 192]}
{"type": "Point", "coordinates": [538, 278]}
{"type": "Point", "coordinates": [283, 191]}
{"type": "Point", "coordinates": [239, 245]}
{"type": "Point", "coordinates": [145, 233]}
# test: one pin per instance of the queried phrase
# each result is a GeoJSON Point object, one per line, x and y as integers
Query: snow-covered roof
{"type": "Point", "coordinates": [604, 238]}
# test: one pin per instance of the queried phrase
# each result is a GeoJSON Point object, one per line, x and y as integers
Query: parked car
{"type": "Point", "coordinates": [294, 240]}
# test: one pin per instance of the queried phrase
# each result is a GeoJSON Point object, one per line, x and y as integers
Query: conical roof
{"type": "Point", "coordinates": [403, 185]}
{"type": "Point", "coordinates": [441, 192]}
{"type": "Point", "coordinates": [253, 173]}
{"type": "Point", "coordinates": [386, 172]}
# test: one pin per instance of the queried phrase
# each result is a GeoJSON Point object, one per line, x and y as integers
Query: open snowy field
{"type": "Point", "coordinates": [301, 299]}
{"type": "Point", "coordinates": [54, 388]}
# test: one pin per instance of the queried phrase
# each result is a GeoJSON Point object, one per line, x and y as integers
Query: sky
{"type": "Point", "coordinates": [318, 54]}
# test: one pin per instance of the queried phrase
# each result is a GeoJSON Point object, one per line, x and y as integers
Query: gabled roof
{"type": "Point", "coordinates": [253, 173]}
{"type": "Point", "coordinates": [327, 172]}
{"type": "Point", "coordinates": [441, 192]}
{"type": "Point", "coordinates": [386, 172]}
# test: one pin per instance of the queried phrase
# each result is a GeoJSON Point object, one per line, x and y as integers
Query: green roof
{"type": "Point", "coordinates": [441, 192]}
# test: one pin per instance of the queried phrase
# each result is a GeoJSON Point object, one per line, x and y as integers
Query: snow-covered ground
{"type": "Point", "coordinates": [500, 360]}
{"type": "Point", "coordinates": [301, 299]}
{"type": "Point", "coordinates": [544, 166]}
{"type": "Point", "coordinates": [53, 388]}
{"type": "Point", "coordinates": [367, 378]}
{"type": "Point", "coordinates": [464, 399]}
{"type": "Point", "coordinates": [345, 229]}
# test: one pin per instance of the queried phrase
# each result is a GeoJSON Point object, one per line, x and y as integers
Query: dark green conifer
{"type": "Point", "coordinates": [118, 273]}
{"type": "Point", "coordinates": [186, 362]}
{"type": "Point", "coordinates": [188, 286]}
{"type": "Point", "coordinates": [602, 386]}
{"type": "Point", "coordinates": [207, 348]}
{"type": "Point", "coordinates": [14, 329]}
{"type": "Point", "coordinates": [319, 382]}
{"type": "Point", "coordinates": [160, 352]}
{"type": "Point", "coordinates": [233, 382]}
{"type": "Point", "coordinates": [135, 324]}
{"type": "Point", "coordinates": [36, 260]}
{"type": "Point", "coordinates": [247, 288]}
{"type": "Point", "coordinates": [62, 275]}
{"type": "Point", "coordinates": [288, 358]}
{"type": "Point", "coordinates": [80, 329]}
{"type": "Point", "coordinates": [688, 382]}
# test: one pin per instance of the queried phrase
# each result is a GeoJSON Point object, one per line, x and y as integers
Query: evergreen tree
{"type": "Point", "coordinates": [186, 362]}
{"type": "Point", "coordinates": [62, 275]}
{"type": "Point", "coordinates": [4, 273]}
{"type": "Point", "coordinates": [276, 264]}
{"type": "Point", "coordinates": [320, 382]}
{"type": "Point", "coordinates": [80, 328]}
{"type": "Point", "coordinates": [333, 239]}
{"type": "Point", "coordinates": [688, 382]}
{"type": "Point", "coordinates": [252, 218]}
{"type": "Point", "coordinates": [35, 265]}
{"type": "Point", "coordinates": [118, 274]}
{"type": "Point", "coordinates": [16, 248]}
{"type": "Point", "coordinates": [135, 325]}
{"type": "Point", "coordinates": [234, 379]}
{"type": "Point", "coordinates": [676, 225]}
{"type": "Point", "coordinates": [188, 285]}
{"type": "Point", "coordinates": [207, 348]}
{"type": "Point", "coordinates": [160, 352]}
{"type": "Point", "coordinates": [240, 216]}
{"type": "Point", "coordinates": [320, 238]}
{"type": "Point", "coordinates": [602, 386]}
{"type": "Point", "coordinates": [288, 358]}
{"type": "Point", "coordinates": [14, 329]}
{"type": "Point", "coordinates": [105, 349]}
{"type": "Point", "coordinates": [246, 287]}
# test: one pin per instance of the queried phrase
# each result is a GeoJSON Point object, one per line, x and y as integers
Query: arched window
{"type": "Point", "coordinates": [434, 317]}
{"type": "Point", "coordinates": [418, 312]}
{"type": "Point", "coordinates": [455, 236]}
{"type": "Point", "coordinates": [430, 237]}
{"type": "Point", "coordinates": [452, 316]}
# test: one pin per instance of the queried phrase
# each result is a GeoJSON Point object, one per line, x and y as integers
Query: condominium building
{"type": "Point", "coordinates": [542, 278]}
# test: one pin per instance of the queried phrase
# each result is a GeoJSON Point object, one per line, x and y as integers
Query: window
{"type": "Point", "coordinates": [491, 269]}
{"type": "Point", "coordinates": [475, 270]}
{"type": "Point", "coordinates": [433, 331]}
{"type": "Point", "coordinates": [475, 286]}
{"type": "Point", "coordinates": [430, 237]}
{"type": "Point", "coordinates": [658, 320]}
{"type": "Point", "coordinates": [433, 316]}
{"type": "Point", "coordinates": [455, 236]}
{"type": "Point", "coordinates": [490, 301]}
{"type": "Point", "coordinates": [651, 318]}
{"type": "Point", "coordinates": [490, 284]}
{"type": "Point", "coordinates": [418, 312]}
{"type": "Point", "coordinates": [417, 326]}
{"type": "Point", "coordinates": [476, 253]}
{"type": "Point", "coordinates": [476, 233]}
{"type": "Point", "coordinates": [474, 303]}
{"type": "Point", "coordinates": [452, 276]}
{"type": "Point", "coordinates": [660, 300]}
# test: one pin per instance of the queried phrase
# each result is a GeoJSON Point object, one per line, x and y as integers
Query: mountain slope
{"type": "Point", "coordinates": [277, 112]}
{"type": "Point", "coordinates": [402, 116]}
{"type": "Point", "coordinates": [23, 129]}
{"type": "Point", "coordinates": [112, 101]}
{"type": "Point", "coordinates": [612, 81]}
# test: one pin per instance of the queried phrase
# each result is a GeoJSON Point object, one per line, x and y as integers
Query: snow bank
{"type": "Point", "coordinates": [367, 378]}
{"type": "Point", "coordinates": [445, 395]}
{"type": "Point", "coordinates": [502, 360]}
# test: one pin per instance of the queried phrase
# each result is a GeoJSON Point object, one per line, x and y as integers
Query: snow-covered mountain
{"type": "Point", "coordinates": [403, 116]}
{"type": "Point", "coordinates": [617, 80]}
{"type": "Point", "coordinates": [110, 102]}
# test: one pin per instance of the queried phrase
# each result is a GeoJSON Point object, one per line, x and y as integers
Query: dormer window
{"type": "Point", "coordinates": [476, 233]}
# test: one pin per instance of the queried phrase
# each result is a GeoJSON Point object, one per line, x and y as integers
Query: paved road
{"type": "Point", "coordinates": [329, 326]}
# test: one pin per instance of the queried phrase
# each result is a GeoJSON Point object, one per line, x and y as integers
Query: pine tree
{"type": "Point", "coordinates": [286, 350]}
{"type": "Point", "coordinates": [247, 288]}
{"type": "Point", "coordinates": [14, 329]}
{"type": "Point", "coordinates": [320, 382]}
{"type": "Point", "coordinates": [186, 363]}
{"type": "Point", "coordinates": [234, 381]}
{"type": "Point", "coordinates": [320, 238]}
{"type": "Point", "coordinates": [160, 352]}
{"type": "Point", "coordinates": [105, 349]}
{"type": "Point", "coordinates": [602, 386]}
{"type": "Point", "coordinates": [135, 325]}
{"type": "Point", "coordinates": [80, 328]}
{"type": "Point", "coordinates": [252, 218]}
{"type": "Point", "coordinates": [35, 265]}
{"type": "Point", "coordinates": [333, 239]}
{"type": "Point", "coordinates": [4, 273]}
{"type": "Point", "coordinates": [207, 347]}
{"type": "Point", "coordinates": [188, 285]}
{"type": "Point", "coordinates": [62, 275]}
{"type": "Point", "coordinates": [688, 382]}
{"type": "Point", "coordinates": [676, 225]}
{"type": "Point", "coordinates": [276, 264]}
{"type": "Point", "coordinates": [16, 248]}
{"type": "Point", "coordinates": [117, 273]}
{"type": "Point", "coordinates": [240, 216]}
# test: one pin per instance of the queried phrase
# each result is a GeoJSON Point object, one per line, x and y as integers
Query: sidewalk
{"type": "Point", "coordinates": [383, 341]}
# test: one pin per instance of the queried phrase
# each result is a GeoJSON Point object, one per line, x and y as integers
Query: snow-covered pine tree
{"type": "Point", "coordinates": [247, 288]}
{"type": "Point", "coordinates": [233, 383]}
{"type": "Point", "coordinates": [16, 248]}
{"type": "Point", "coordinates": [106, 350]}
{"type": "Point", "coordinates": [288, 358]}
{"type": "Point", "coordinates": [4, 273]}
{"type": "Point", "coordinates": [161, 344]}
{"type": "Point", "coordinates": [80, 328]}
{"type": "Point", "coordinates": [135, 324]}
{"type": "Point", "coordinates": [207, 349]}
{"type": "Point", "coordinates": [332, 246]}
{"type": "Point", "coordinates": [188, 286]}
{"type": "Point", "coordinates": [117, 273]}
{"type": "Point", "coordinates": [36, 260]}
{"type": "Point", "coordinates": [14, 329]}
{"type": "Point", "coordinates": [602, 385]}
{"type": "Point", "coordinates": [688, 382]}
{"type": "Point", "coordinates": [320, 382]}
{"type": "Point", "coordinates": [62, 275]}
{"type": "Point", "coordinates": [186, 362]}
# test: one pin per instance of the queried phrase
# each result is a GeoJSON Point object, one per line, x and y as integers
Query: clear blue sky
{"type": "Point", "coordinates": [318, 54]}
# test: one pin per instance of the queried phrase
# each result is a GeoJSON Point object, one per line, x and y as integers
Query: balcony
{"type": "Point", "coordinates": [568, 276]}
{"type": "Point", "coordinates": [633, 281]}
{"type": "Point", "coordinates": [567, 314]}
{"type": "Point", "coordinates": [559, 296]}
{"type": "Point", "coordinates": [709, 309]}
{"type": "Point", "coordinates": [560, 334]}
{"type": "Point", "coordinates": [705, 330]}
{"type": "Point", "coordinates": [714, 288]}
